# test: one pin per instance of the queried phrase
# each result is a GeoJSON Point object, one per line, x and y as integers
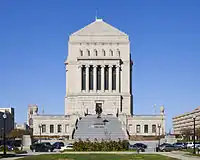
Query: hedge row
{"type": "Point", "coordinates": [101, 146]}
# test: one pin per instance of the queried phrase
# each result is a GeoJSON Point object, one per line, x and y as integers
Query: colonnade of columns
{"type": "Point", "coordinates": [100, 77]}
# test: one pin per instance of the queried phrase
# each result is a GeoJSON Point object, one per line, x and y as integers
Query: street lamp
{"type": "Point", "coordinates": [159, 126]}
{"type": "Point", "coordinates": [1, 133]}
{"type": "Point", "coordinates": [40, 126]}
{"type": "Point", "coordinates": [4, 134]}
{"type": "Point", "coordinates": [194, 118]}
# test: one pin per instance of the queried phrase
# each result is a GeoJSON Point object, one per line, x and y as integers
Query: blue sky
{"type": "Point", "coordinates": [165, 48]}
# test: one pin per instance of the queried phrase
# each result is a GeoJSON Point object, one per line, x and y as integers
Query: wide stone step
{"type": "Point", "coordinates": [91, 127]}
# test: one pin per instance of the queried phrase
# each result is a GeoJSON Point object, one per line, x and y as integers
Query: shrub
{"type": "Point", "coordinates": [101, 146]}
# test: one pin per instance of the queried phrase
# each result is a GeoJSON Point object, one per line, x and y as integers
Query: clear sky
{"type": "Point", "coordinates": [165, 46]}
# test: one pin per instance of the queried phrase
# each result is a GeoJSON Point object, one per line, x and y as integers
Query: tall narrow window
{"type": "Point", "coordinates": [88, 52]}
{"type": "Point", "coordinates": [43, 128]}
{"type": "Point", "coordinates": [66, 128]}
{"type": "Point", "coordinates": [146, 128]}
{"type": "Point", "coordinates": [106, 78]}
{"type": "Point", "coordinates": [90, 78]}
{"type": "Point", "coordinates": [103, 52]}
{"type": "Point", "coordinates": [118, 53]}
{"type": "Point", "coordinates": [153, 128]}
{"type": "Point", "coordinates": [83, 78]}
{"type": "Point", "coordinates": [59, 128]}
{"type": "Point", "coordinates": [138, 128]}
{"type": "Point", "coordinates": [81, 53]}
{"type": "Point", "coordinates": [98, 78]}
{"type": "Point", "coordinates": [51, 128]}
{"type": "Point", "coordinates": [114, 78]}
{"type": "Point", "coordinates": [95, 52]}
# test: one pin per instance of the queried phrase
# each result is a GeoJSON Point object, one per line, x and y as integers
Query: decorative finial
{"type": "Point", "coordinates": [96, 17]}
{"type": "Point", "coordinates": [162, 109]}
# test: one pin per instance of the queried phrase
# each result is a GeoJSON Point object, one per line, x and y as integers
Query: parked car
{"type": "Point", "coordinates": [141, 145]}
{"type": "Point", "coordinates": [58, 145]}
{"type": "Point", "coordinates": [135, 147]}
{"type": "Point", "coordinates": [190, 144]}
{"type": "Point", "coordinates": [198, 148]}
{"type": "Point", "coordinates": [67, 147]}
{"type": "Point", "coordinates": [180, 145]}
{"type": "Point", "coordinates": [166, 147]}
{"type": "Point", "coordinates": [196, 145]}
{"type": "Point", "coordinates": [42, 147]}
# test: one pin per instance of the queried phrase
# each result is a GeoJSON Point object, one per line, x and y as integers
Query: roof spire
{"type": "Point", "coordinates": [96, 15]}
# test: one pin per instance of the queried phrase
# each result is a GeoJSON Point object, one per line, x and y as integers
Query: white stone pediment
{"type": "Point", "coordinates": [99, 28]}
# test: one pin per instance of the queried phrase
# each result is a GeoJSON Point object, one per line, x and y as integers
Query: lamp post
{"type": "Point", "coordinates": [1, 133]}
{"type": "Point", "coordinates": [159, 126]}
{"type": "Point", "coordinates": [4, 134]}
{"type": "Point", "coordinates": [40, 127]}
{"type": "Point", "coordinates": [194, 118]}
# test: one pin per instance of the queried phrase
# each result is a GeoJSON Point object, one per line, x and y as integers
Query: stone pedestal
{"type": "Point", "coordinates": [26, 141]}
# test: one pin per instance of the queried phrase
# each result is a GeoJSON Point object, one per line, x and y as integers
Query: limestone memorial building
{"type": "Point", "coordinates": [98, 100]}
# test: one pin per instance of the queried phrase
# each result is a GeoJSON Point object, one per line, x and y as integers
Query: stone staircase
{"type": "Point", "coordinates": [108, 127]}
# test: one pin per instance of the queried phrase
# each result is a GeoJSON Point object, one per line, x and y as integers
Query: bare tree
{"type": "Point", "coordinates": [198, 132]}
{"type": "Point", "coordinates": [186, 133]}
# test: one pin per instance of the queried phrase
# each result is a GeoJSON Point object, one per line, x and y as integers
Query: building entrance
{"type": "Point", "coordinates": [98, 109]}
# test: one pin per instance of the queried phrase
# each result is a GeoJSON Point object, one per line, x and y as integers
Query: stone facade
{"type": "Point", "coordinates": [186, 121]}
{"type": "Point", "coordinates": [54, 125]}
{"type": "Point", "coordinates": [89, 47]}
{"type": "Point", "coordinates": [136, 125]}
{"type": "Point", "coordinates": [98, 73]}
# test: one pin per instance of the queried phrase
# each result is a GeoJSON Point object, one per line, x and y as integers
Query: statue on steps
{"type": "Point", "coordinates": [98, 111]}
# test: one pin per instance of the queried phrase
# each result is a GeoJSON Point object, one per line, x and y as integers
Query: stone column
{"type": "Point", "coordinates": [87, 78]}
{"type": "Point", "coordinates": [110, 78]}
{"type": "Point", "coordinates": [117, 77]}
{"type": "Point", "coordinates": [95, 78]}
{"type": "Point", "coordinates": [102, 77]}
{"type": "Point", "coordinates": [80, 71]}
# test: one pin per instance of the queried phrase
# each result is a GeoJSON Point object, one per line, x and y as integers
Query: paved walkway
{"type": "Point", "coordinates": [178, 155]}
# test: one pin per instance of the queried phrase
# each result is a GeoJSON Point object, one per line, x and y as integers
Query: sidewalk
{"type": "Point", "coordinates": [177, 155]}
{"type": "Point", "coordinates": [181, 156]}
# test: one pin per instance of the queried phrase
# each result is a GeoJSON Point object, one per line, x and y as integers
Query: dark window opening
{"type": "Point", "coordinates": [59, 128]}
{"type": "Point", "coordinates": [83, 78]}
{"type": "Point", "coordinates": [138, 128]}
{"type": "Point", "coordinates": [43, 128]}
{"type": "Point", "coordinates": [145, 128]}
{"type": "Point", "coordinates": [153, 128]}
{"type": "Point", "coordinates": [114, 78]}
{"type": "Point", "coordinates": [51, 128]}
{"type": "Point", "coordinates": [98, 78]}
{"type": "Point", "coordinates": [106, 78]}
{"type": "Point", "coordinates": [91, 78]}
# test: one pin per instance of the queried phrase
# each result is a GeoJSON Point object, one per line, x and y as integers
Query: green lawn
{"type": "Point", "coordinates": [98, 157]}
